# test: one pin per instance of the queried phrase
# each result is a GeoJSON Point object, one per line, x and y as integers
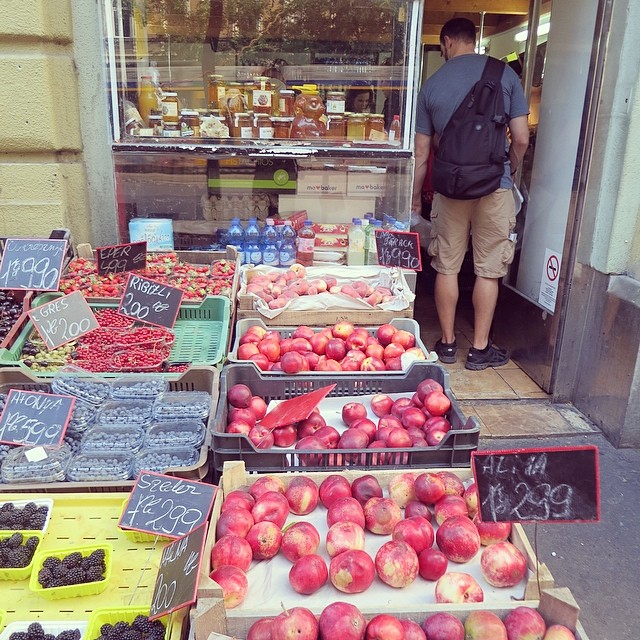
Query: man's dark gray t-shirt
{"type": "Point", "coordinates": [444, 90]}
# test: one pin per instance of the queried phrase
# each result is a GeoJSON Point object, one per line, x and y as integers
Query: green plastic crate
{"type": "Point", "coordinates": [201, 333]}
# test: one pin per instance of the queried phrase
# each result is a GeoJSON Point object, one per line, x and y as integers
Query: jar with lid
{"type": "Point", "coordinates": [155, 123]}
{"type": "Point", "coordinates": [375, 127]}
{"type": "Point", "coordinates": [286, 101]}
{"type": "Point", "coordinates": [170, 113]}
{"type": "Point", "coordinates": [356, 127]}
{"type": "Point", "coordinates": [281, 127]}
{"type": "Point", "coordinates": [189, 123]}
{"type": "Point", "coordinates": [263, 126]}
{"type": "Point", "coordinates": [337, 127]}
{"type": "Point", "coordinates": [247, 90]}
{"type": "Point", "coordinates": [147, 97]}
{"type": "Point", "coordinates": [262, 95]}
{"type": "Point", "coordinates": [242, 126]}
{"type": "Point", "coordinates": [216, 90]}
{"type": "Point", "coordinates": [171, 130]}
{"type": "Point", "coordinates": [335, 102]}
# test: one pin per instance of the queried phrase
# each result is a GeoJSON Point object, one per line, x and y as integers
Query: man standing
{"type": "Point", "coordinates": [490, 219]}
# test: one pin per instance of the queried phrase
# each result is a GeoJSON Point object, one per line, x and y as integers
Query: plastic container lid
{"type": "Point", "coordinates": [125, 412]}
{"type": "Point", "coordinates": [110, 438]}
{"type": "Point", "coordinates": [92, 467]}
{"type": "Point", "coordinates": [160, 460]}
{"type": "Point", "coordinates": [181, 405]}
{"type": "Point", "coordinates": [28, 464]}
{"type": "Point", "coordinates": [86, 387]}
{"type": "Point", "coordinates": [83, 416]}
{"type": "Point", "coordinates": [138, 387]}
{"type": "Point", "coordinates": [175, 434]}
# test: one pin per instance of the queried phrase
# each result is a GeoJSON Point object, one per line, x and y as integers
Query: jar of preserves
{"type": "Point", "coordinates": [356, 127]}
{"type": "Point", "coordinates": [216, 90]}
{"type": "Point", "coordinates": [170, 114]}
{"type": "Point", "coordinates": [263, 129]}
{"type": "Point", "coordinates": [189, 123]}
{"type": "Point", "coordinates": [242, 126]}
{"type": "Point", "coordinates": [337, 127]}
{"type": "Point", "coordinates": [335, 102]}
{"type": "Point", "coordinates": [281, 127]}
{"type": "Point", "coordinates": [375, 127]}
{"type": "Point", "coordinates": [262, 95]}
{"type": "Point", "coordinates": [247, 90]}
{"type": "Point", "coordinates": [171, 130]}
{"type": "Point", "coordinates": [155, 123]}
{"type": "Point", "coordinates": [286, 101]}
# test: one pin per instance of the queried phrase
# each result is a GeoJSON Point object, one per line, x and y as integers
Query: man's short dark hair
{"type": "Point", "coordinates": [459, 29]}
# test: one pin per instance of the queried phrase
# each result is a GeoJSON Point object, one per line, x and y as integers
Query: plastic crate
{"type": "Point", "coordinates": [242, 326]}
{"type": "Point", "coordinates": [201, 333]}
{"type": "Point", "coordinates": [26, 298]}
{"type": "Point", "coordinates": [453, 451]}
{"type": "Point", "coordinates": [48, 626]}
{"type": "Point", "coordinates": [20, 573]}
{"type": "Point", "coordinates": [112, 616]}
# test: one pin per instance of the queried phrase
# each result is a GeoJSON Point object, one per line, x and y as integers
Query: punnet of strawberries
{"type": "Point", "coordinates": [196, 280]}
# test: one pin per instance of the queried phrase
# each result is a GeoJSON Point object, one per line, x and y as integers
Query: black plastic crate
{"type": "Point", "coordinates": [453, 451]}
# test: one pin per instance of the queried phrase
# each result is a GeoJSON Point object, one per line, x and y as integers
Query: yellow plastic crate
{"type": "Point", "coordinates": [21, 573]}
{"type": "Point", "coordinates": [112, 616]}
{"type": "Point", "coordinates": [72, 590]}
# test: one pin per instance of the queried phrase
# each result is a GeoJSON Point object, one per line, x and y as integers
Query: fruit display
{"type": "Point", "coordinates": [10, 311]}
{"type": "Point", "coordinates": [16, 550]}
{"type": "Point", "coordinates": [29, 517]}
{"type": "Point", "coordinates": [140, 629]}
{"type": "Point", "coordinates": [341, 347]}
{"type": "Point", "coordinates": [197, 281]}
{"type": "Point", "coordinates": [72, 569]}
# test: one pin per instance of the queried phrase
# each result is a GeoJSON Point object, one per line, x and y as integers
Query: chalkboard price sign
{"type": "Point", "coordinates": [32, 264]}
{"type": "Point", "coordinates": [34, 417]}
{"type": "Point", "coordinates": [63, 319]}
{"type": "Point", "coordinates": [538, 485]}
{"type": "Point", "coordinates": [166, 506]}
{"type": "Point", "coordinates": [121, 257]}
{"type": "Point", "coordinates": [177, 579]}
{"type": "Point", "coordinates": [399, 249]}
{"type": "Point", "coordinates": [150, 301]}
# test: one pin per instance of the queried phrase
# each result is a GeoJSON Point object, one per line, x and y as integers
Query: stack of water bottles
{"type": "Point", "coordinates": [274, 246]}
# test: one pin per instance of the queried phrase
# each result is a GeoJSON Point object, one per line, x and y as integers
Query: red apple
{"type": "Point", "coordinates": [324, 364]}
{"type": "Point", "coordinates": [458, 539]}
{"type": "Point", "coordinates": [344, 536]}
{"type": "Point", "coordinates": [350, 362]}
{"type": "Point", "coordinates": [262, 362]}
{"type": "Point", "coordinates": [365, 487]}
{"type": "Point", "coordinates": [484, 625]}
{"type": "Point", "coordinates": [412, 417]}
{"type": "Point", "coordinates": [426, 386]}
{"type": "Point", "coordinates": [238, 427]}
{"type": "Point", "coordinates": [384, 627]}
{"type": "Point", "coordinates": [352, 571]}
{"type": "Point", "coordinates": [234, 520]}
{"type": "Point", "coordinates": [310, 425]}
{"type": "Point", "coordinates": [436, 422]}
{"type": "Point", "coordinates": [443, 626]}
{"type": "Point", "coordinates": [258, 406]}
{"type": "Point", "coordinates": [299, 539]}
{"type": "Point", "coordinates": [390, 422]}
{"type": "Point", "coordinates": [381, 515]}
{"type": "Point", "coordinates": [239, 395]}
{"type": "Point", "coordinates": [310, 443]}
{"type": "Point", "coordinates": [400, 406]}
{"type": "Point", "coordinates": [437, 403]}
{"type": "Point", "coordinates": [366, 425]}
{"type": "Point", "coordinates": [265, 539]}
{"type": "Point", "coordinates": [298, 623]}
{"type": "Point", "coordinates": [308, 574]}
{"type": "Point", "coordinates": [292, 362]}
{"type": "Point", "coordinates": [417, 508]}
{"type": "Point", "coordinates": [393, 364]}
{"type": "Point", "coordinates": [252, 336]}
{"type": "Point", "coordinates": [401, 487]}
{"type": "Point", "coordinates": [356, 341]}
{"type": "Point", "coordinates": [260, 630]}
{"type": "Point", "coordinates": [381, 404]}
{"type": "Point", "coordinates": [345, 510]}
{"type": "Point", "coordinates": [285, 346]}
{"type": "Point", "coordinates": [558, 632]}
{"type": "Point", "coordinates": [231, 549]}
{"type": "Point", "coordinates": [412, 630]}
{"type": "Point", "coordinates": [396, 564]}
{"type": "Point", "coordinates": [343, 330]}
{"type": "Point", "coordinates": [492, 532]}
{"type": "Point", "coordinates": [353, 439]}
{"type": "Point", "coordinates": [233, 582]}
{"type": "Point", "coordinates": [332, 488]}
{"type": "Point", "coordinates": [341, 620]}
{"type": "Point", "coordinates": [384, 333]}
{"type": "Point", "coordinates": [353, 411]}
{"type": "Point", "coordinates": [452, 484]}
{"type": "Point", "coordinates": [319, 343]}
{"type": "Point", "coordinates": [434, 437]}
{"type": "Point", "coordinates": [372, 364]}
{"type": "Point", "coordinates": [238, 498]}
{"type": "Point", "coordinates": [470, 496]}
{"type": "Point", "coordinates": [448, 507]}
{"type": "Point", "coordinates": [417, 401]}
{"type": "Point", "coordinates": [404, 338]}
{"type": "Point", "coordinates": [271, 506]}
{"type": "Point", "coordinates": [432, 564]}
{"type": "Point", "coordinates": [302, 495]}
{"type": "Point", "coordinates": [261, 437]}
{"type": "Point", "coordinates": [429, 488]}
{"type": "Point", "coordinates": [375, 350]}
{"type": "Point", "coordinates": [399, 439]}
{"type": "Point", "coordinates": [417, 532]}
{"type": "Point", "coordinates": [242, 415]}
{"type": "Point", "coordinates": [266, 483]}
{"type": "Point", "coordinates": [524, 623]}
{"type": "Point", "coordinates": [312, 359]}
{"type": "Point", "coordinates": [458, 588]}
{"type": "Point", "coordinates": [392, 351]}
{"type": "Point", "coordinates": [301, 345]}
{"type": "Point", "coordinates": [503, 565]}
{"type": "Point", "coordinates": [285, 436]}
{"type": "Point", "coordinates": [246, 351]}
{"type": "Point", "coordinates": [270, 349]}
{"type": "Point", "coordinates": [329, 436]}
{"type": "Point", "coordinates": [336, 349]}
{"type": "Point", "coordinates": [303, 331]}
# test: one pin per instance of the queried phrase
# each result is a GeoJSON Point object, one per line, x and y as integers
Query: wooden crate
{"type": "Point", "coordinates": [211, 616]}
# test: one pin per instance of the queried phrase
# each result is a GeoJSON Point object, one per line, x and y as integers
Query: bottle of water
{"type": "Point", "coordinates": [288, 245]}
{"type": "Point", "coordinates": [270, 253]}
{"type": "Point", "coordinates": [399, 226]}
{"type": "Point", "coordinates": [388, 222]}
{"type": "Point", "coordinates": [355, 250]}
{"type": "Point", "coordinates": [235, 237]}
{"type": "Point", "coordinates": [371, 246]}
{"type": "Point", "coordinates": [252, 242]}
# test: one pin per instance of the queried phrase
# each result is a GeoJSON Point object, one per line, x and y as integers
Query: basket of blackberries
{"type": "Point", "coordinates": [17, 551]}
{"type": "Point", "coordinates": [44, 630]}
{"type": "Point", "coordinates": [25, 515]}
{"type": "Point", "coordinates": [71, 572]}
{"type": "Point", "coordinates": [126, 622]}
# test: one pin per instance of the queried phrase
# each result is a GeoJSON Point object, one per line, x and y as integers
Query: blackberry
{"type": "Point", "coordinates": [97, 556]}
{"type": "Point", "coordinates": [15, 540]}
{"type": "Point", "coordinates": [75, 576]}
{"type": "Point", "coordinates": [72, 560]}
{"type": "Point", "coordinates": [32, 543]}
{"type": "Point", "coordinates": [94, 574]}
{"type": "Point", "coordinates": [35, 630]}
{"type": "Point", "coordinates": [69, 634]}
{"type": "Point", "coordinates": [49, 636]}
{"type": "Point", "coordinates": [60, 571]}
{"type": "Point", "coordinates": [45, 576]}
{"type": "Point", "coordinates": [106, 629]}
{"type": "Point", "coordinates": [19, 635]}
{"type": "Point", "coordinates": [119, 628]}
{"type": "Point", "coordinates": [131, 634]}
{"type": "Point", "coordinates": [51, 563]}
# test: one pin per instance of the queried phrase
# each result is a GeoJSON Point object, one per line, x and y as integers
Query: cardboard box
{"type": "Point", "coordinates": [371, 182]}
{"type": "Point", "coordinates": [333, 183]}
{"type": "Point", "coordinates": [322, 207]}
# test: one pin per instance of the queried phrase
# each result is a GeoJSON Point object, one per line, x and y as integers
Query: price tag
{"type": "Point", "coordinates": [150, 301]}
{"type": "Point", "coordinates": [538, 485]}
{"type": "Point", "coordinates": [399, 249]}
{"type": "Point", "coordinates": [121, 257]}
{"type": "Point", "coordinates": [32, 264]}
{"type": "Point", "coordinates": [34, 417]}
{"type": "Point", "coordinates": [167, 506]}
{"type": "Point", "coordinates": [177, 580]}
{"type": "Point", "coordinates": [63, 319]}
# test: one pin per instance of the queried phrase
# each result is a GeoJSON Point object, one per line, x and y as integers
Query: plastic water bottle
{"type": "Point", "coordinates": [399, 226]}
{"type": "Point", "coordinates": [288, 245]}
{"type": "Point", "coordinates": [252, 242]}
{"type": "Point", "coordinates": [355, 251]}
{"type": "Point", "coordinates": [235, 237]}
{"type": "Point", "coordinates": [305, 244]}
{"type": "Point", "coordinates": [388, 222]}
{"type": "Point", "coordinates": [270, 253]}
{"type": "Point", "coordinates": [370, 247]}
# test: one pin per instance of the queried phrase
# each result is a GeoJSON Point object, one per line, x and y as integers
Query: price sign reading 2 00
{"type": "Point", "coordinates": [150, 301]}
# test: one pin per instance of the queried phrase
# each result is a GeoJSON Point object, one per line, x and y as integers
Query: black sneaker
{"type": "Point", "coordinates": [479, 359]}
{"type": "Point", "coordinates": [446, 351]}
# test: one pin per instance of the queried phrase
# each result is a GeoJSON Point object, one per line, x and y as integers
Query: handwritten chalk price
{"type": "Point", "coordinates": [122, 257]}
{"type": "Point", "coordinates": [150, 301]}
{"type": "Point", "coordinates": [32, 264]}
{"type": "Point", "coordinates": [399, 249]}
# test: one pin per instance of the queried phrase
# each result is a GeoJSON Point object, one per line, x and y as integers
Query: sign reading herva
{"type": "Point", "coordinates": [32, 264]}
{"type": "Point", "coordinates": [538, 485]}
{"type": "Point", "coordinates": [121, 257]}
{"type": "Point", "coordinates": [34, 417]}
{"type": "Point", "coordinates": [399, 249]}
{"type": "Point", "coordinates": [150, 301]}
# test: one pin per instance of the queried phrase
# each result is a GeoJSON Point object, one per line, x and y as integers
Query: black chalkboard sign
{"type": "Point", "coordinates": [121, 257]}
{"type": "Point", "coordinates": [150, 301]}
{"type": "Point", "coordinates": [538, 485]}
{"type": "Point", "coordinates": [177, 579]}
{"type": "Point", "coordinates": [34, 417]}
{"type": "Point", "coordinates": [32, 264]}
{"type": "Point", "coordinates": [63, 319]}
{"type": "Point", "coordinates": [399, 249]}
{"type": "Point", "coordinates": [166, 506]}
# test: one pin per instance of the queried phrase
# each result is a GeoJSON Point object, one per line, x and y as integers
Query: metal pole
{"type": "Point", "coordinates": [531, 47]}
{"type": "Point", "coordinates": [481, 34]}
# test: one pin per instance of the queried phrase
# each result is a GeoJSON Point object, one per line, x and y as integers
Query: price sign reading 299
{"type": "Point", "coordinates": [150, 301]}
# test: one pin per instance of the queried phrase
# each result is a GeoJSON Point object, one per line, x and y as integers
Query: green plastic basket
{"type": "Point", "coordinates": [21, 573]}
{"type": "Point", "coordinates": [112, 616]}
{"type": "Point", "coordinates": [201, 333]}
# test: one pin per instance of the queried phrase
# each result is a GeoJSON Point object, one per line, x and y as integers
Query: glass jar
{"type": "Point", "coordinates": [171, 130]}
{"type": "Point", "coordinates": [281, 127]}
{"type": "Point", "coordinates": [375, 127]}
{"type": "Point", "coordinates": [335, 102]}
{"type": "Point", "coordinates": [242, 126]}
{"type": "Point", "coordinates": [337, 127]}
{"type": "Point", "coordinates": [189, 123]}
{"type": "Point", "coordinates": [170, 113]}
{"type": "Point", "coordinates": [155, 123]}
{"type": "Point", "coordinates": [356, 127]}
{"type": "Point", "coordinates": [262, 95]}
{"type": "Point", "coordinates": [216, 90]}
{"type": "Point", "coordinates": [285, 102]}
{"type": "Point", "coordinates": [247, 90]}
{"type": "Point", "coordinates": [263, 126]}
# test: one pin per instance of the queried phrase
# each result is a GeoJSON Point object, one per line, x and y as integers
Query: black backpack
{"type": "Point", "coordinates": [469, 160]}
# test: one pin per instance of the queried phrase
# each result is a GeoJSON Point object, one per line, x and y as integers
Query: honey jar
{"type": "Point", "coordinates": [170, 113]}
{"type": "Point", "coordinates": [242, 126]}
{"type": "Point", "coordinates": [286, 101]}
{"type": "Point", "coordinates": [356, 127]}
{"type": "Point", "coordinates": [263, 126]}
{"type": "Point", "coordinates": [335, 102]}
{"type": "Point", "coordinates": [281, 127]}
{"type": "Point", "coordinates": [262, 95]}
{"type": "Point", "coordinates": [337, 127]}
{"type": "Point", "coordinates": [375, 127]}
{"type": "Point", "coordinates": [216, 91]}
